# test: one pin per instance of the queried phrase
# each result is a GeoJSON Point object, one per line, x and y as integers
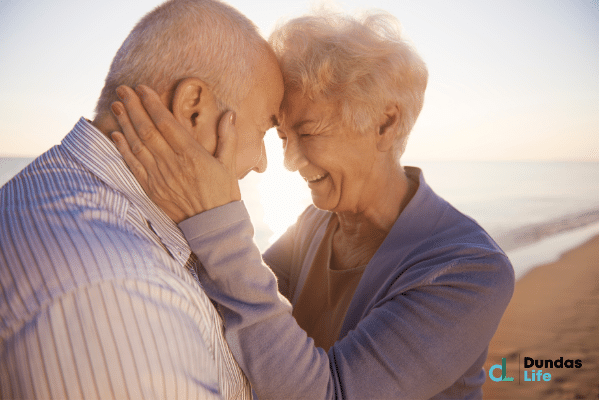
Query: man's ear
{"type": "Point", "coordinates": [388, 126]}
{"type": "Point", "coordinates": [195, 107]}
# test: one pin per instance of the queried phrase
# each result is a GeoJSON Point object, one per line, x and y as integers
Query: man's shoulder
{"type": "Point", "coordinates": [56, 214]}
{"type": "Point", "coordinates": [64, 247]}
{"type": "Point", "coordinates": [56, 183]}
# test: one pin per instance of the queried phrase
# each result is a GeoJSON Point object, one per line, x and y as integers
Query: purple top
{"type": "Point", "coordinates": [418, 326]}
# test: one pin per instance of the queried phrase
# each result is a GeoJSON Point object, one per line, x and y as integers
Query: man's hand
{"type": "Point", "coordinates": [176, 172]}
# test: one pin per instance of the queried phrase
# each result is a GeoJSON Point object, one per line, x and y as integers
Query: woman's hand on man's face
{"type": "Point", "coordinates": [176, 172]}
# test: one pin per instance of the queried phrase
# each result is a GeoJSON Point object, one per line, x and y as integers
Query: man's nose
{"type": "Point", "coordinates": [293, 159]}
{"type": "Point", "coordinates": [261, 166]}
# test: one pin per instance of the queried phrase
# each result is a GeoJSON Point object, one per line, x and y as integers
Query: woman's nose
{"type": "Point", "coordinates": [293, 159]}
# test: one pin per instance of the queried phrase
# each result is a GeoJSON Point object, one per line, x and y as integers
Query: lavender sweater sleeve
{"type": "Point", "coordinates": [275, 353]}
{"type": "Point", "coordinates": [414, 342]}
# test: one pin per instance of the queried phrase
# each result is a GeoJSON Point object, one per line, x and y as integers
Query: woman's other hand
{"type": "Point", "coordinates": [176, 172]}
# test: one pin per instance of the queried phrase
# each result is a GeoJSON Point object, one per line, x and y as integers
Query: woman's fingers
{"type": "Point", "coordinates": [227, 142]}
{"type": "Point", "coordinates": [176, 171]}
{"type": "Point", "coordinates": [132, 162]}
{"type": "Point", "coordinates": [170, 129]}
{"type": "Point", "coordinates": [136, 147]}
{"type": "Point", "coordinates": [155, 126]}
{"type": "Point", "coordinates": [226, 156]}
{"type": "Point", "coordinates": [145, 141]}
{"type": "Point", "coordinates": [142, 123]}
{"type": "Point", "coordinates": [153, 184]}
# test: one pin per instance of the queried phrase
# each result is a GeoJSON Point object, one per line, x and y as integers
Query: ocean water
{"type": "Point", "coordinates": [534, 210]}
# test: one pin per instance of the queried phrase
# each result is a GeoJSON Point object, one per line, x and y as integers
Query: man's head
{"type": "Point", "coordinates": [203, 57]}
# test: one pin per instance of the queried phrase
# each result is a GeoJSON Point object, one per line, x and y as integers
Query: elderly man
{"type": "Point", "coordinates": [99, 293]}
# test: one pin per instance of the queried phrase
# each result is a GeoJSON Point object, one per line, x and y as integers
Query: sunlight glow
{"type": "Point", "coordinates": [283, 194]}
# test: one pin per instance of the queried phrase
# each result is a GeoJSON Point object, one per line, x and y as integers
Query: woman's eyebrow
{"type": "Point", "coordinates": [300, 124]}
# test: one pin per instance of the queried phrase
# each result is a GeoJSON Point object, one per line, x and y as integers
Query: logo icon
{"type": "Point", "coordinates": [503, 377]}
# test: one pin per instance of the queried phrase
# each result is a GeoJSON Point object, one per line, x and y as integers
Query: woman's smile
{"type": "Point", "coordinates": [316, 178]}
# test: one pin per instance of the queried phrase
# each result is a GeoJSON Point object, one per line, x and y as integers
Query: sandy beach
{"type": "Point", "coordinates": [553, 314]}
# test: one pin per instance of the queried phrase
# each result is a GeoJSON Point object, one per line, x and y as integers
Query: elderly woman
{"type": "Point", "coordinates": [381, 290]}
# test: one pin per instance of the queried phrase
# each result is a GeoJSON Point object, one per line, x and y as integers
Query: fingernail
{"type": "Point", "coordinates": [120, 92]}
{"type": "Point", "coordinates": [115, 109]}
{"type": "Point", "coordinates": [232, 118]}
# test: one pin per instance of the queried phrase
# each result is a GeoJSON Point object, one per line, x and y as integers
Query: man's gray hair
{"type": "Point", "coordinates": [205, 39]}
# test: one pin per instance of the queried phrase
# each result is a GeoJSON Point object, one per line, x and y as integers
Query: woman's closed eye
{"type": "Point", "coordinates": [306, 133]}
{"type": "Point", "coordinates": [299, 135]}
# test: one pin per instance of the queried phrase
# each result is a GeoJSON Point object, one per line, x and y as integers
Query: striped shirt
{"type": "Point", "coordinates": [95, 297]}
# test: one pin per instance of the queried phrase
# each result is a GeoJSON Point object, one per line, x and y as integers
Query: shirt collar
{"type": "Point", "coordinates": [100, 156]}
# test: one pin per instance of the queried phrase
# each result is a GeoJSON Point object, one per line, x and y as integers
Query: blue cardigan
{"type": "Point", "coordinates": [419, 323]}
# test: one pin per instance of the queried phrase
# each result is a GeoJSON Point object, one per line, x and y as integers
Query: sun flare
{"type": "Point", "coordinates": [280, 194]}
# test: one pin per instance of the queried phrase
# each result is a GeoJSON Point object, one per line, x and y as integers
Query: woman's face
{"type": "Point", "coordinates": [339, 164]}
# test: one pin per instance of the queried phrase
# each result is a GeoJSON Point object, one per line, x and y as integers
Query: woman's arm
{"type": "Point", "coordinates": [413, 344]}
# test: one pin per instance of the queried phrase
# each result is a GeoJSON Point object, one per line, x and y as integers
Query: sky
{"type": "Point", "coordinates": [510, 80]}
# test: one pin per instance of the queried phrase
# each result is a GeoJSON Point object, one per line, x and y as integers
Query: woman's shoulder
{"type": "Point", "coordinates": [431, 220]}
{"type": "Point", "coordinates": [433, 235]}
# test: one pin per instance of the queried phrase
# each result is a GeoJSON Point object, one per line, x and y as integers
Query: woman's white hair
{"type": "Point", "coordinates": [363, 63]}
{"type": "Point", "coordinates": [205, 39]}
